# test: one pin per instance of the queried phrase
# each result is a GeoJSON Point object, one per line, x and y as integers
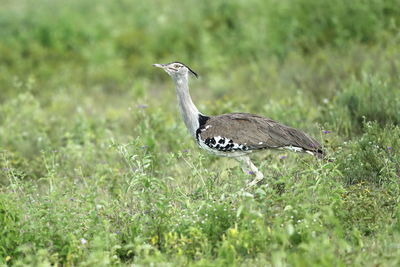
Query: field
{"type": "Point", "coordinates": [98, 169]}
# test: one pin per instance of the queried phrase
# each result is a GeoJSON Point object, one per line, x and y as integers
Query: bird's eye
{"type": "Point", "coordinates": [177, 66]}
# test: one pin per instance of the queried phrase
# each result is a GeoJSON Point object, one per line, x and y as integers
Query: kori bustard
{"type": "Point", "coordinates": [235, 135]}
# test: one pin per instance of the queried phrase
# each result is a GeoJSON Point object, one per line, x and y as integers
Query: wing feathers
{"type": "Point", "coordinates": [257, 132]}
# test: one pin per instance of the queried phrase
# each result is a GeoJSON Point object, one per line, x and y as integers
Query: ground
{"type": "Point", "coordinates": [97, 168]}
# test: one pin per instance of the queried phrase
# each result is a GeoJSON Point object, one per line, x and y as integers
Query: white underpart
{"type": "Point", "coordinates": [217, 138]}
{"type": "Point", "coordinates": [298, 149]}
{"type": "Point", "coordinates": [228, 154]}
{"type": "Point", "coordinates": [309, 152]}
{"type": "Point", "coordinates": [226, 142]}
{"type": "Point", "coordinates": [293, 148]}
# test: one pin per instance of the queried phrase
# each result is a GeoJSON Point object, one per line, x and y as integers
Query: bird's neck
{"type": "Point", "coordinates": [189, 111]}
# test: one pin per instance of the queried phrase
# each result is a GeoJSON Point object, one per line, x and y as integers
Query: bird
{"type": "Point", "coordinates": [235, 135]}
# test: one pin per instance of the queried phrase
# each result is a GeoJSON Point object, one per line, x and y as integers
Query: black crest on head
{"type": "Point", "coordinates": [192, 71]}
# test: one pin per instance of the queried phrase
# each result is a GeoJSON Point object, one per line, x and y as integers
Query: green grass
{"type": "Point", "coordinates": [97, 169]}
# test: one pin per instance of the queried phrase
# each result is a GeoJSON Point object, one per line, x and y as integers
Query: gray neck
{"type": "Point", "coordinates": [189, 112]}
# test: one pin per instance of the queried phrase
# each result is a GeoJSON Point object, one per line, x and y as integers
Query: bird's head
{"type": "Point", "coordinates": [176, 70]}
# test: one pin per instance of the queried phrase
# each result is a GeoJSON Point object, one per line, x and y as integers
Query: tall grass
{"type": "Point", "coordinates": [97, 169]}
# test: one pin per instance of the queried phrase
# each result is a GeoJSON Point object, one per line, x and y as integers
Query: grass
{"type": "Point", "coordinates": [97, 169]}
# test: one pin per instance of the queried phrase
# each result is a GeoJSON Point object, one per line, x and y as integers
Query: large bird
{"type": "Point", "coordinates": [235, 135]}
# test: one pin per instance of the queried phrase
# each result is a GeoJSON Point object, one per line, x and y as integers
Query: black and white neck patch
{"type": "Point", "coordinates": [202, 125]}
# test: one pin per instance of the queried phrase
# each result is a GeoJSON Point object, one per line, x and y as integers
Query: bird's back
{"type": "Point", "coordinates": [247, 132]}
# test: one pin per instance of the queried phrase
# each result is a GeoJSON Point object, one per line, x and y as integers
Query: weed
{"type": "Point", "coordinates": [96, 168]}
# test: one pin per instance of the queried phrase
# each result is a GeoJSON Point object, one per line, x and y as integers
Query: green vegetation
{"type": "Point", "coordinates": [97, 169]}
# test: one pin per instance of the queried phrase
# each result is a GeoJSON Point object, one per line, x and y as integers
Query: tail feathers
{"type": "Point", "coordinates": [320, 154]}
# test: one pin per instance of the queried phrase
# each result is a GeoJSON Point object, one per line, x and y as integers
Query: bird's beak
{"type": "Point", "coordinates": [159, 65]}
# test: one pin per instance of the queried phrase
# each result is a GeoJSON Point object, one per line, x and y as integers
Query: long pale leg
{"type": "Point", "coordinates": [249, 168]}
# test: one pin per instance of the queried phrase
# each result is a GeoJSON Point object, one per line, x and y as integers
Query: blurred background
{"type": "Point", "coordinates": [306, 63]}
{"type": "Point", "coordinates": [251, 55]}
{"type": "Point", "coordinates": [78, 93]}
{"type": "Point", "coordinates": [271, 48]}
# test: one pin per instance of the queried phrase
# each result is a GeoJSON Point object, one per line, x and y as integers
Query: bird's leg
{"type": "Point", "coordinates": [249, 168]}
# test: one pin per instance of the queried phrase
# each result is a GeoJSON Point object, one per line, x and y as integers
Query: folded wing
{"type": "Point", "coordinates": [257, 132]}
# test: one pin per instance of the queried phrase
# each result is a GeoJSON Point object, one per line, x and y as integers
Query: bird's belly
{"type": "Point", "coordinates": [221, 152]}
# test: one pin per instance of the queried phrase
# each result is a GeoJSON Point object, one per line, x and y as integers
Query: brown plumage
{"type": "Point", "coordinates": [256, 132]}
